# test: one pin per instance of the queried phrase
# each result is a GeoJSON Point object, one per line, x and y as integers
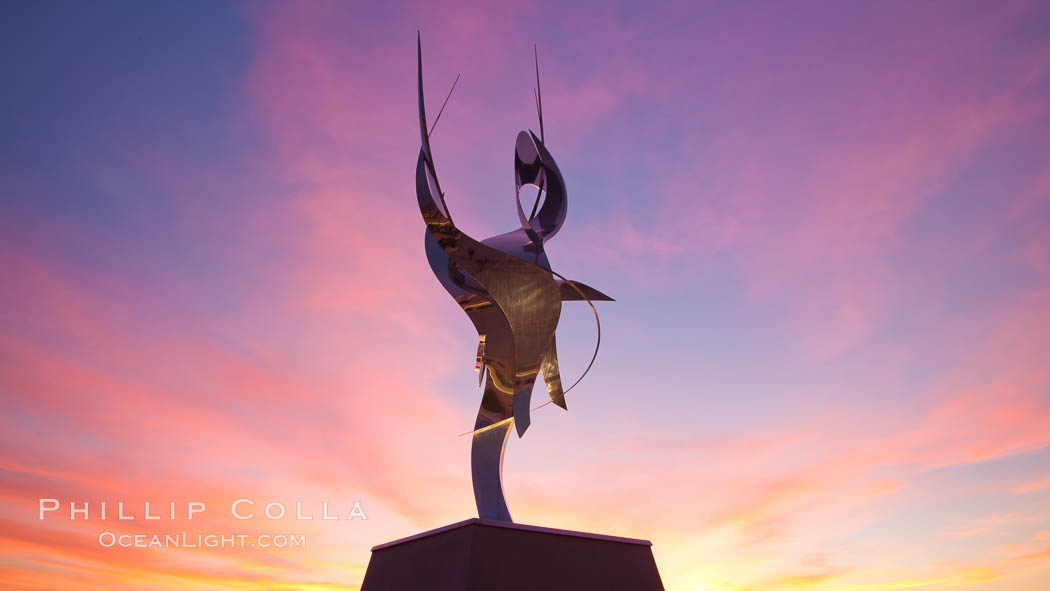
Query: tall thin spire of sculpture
{"type": "Point", "coordinates": [539, 95]}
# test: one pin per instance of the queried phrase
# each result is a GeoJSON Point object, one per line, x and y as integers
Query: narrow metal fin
{"type": "Point", "coordinates": [539, 95]}
{"type": "Point", "coordinates": [424, 135]}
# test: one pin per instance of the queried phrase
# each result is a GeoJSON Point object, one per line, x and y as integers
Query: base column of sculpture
{"type": "Point", "coordinates": [486, 465]}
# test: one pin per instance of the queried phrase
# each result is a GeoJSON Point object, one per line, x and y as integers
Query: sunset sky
{"type": "Point", "coordinates": [826, 227]}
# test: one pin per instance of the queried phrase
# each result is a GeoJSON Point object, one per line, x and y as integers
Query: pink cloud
{"type": "Point", "coordinates": [1035, 485]}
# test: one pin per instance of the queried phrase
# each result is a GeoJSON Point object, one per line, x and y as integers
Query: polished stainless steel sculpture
{"type": "Point", "coordinates": [507, 288]}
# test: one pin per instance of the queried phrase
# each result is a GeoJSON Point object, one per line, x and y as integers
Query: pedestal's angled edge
{"type": "Point", "coordinates": [428, 533]}
{"type": "Point", "coordinates": [518, 526]}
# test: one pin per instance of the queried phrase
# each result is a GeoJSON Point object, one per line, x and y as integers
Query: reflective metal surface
{"type": "Point", "coordinates": [509, 292]}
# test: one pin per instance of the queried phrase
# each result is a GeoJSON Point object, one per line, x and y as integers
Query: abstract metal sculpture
{"type": "Point", "coordinates": [507, 288]}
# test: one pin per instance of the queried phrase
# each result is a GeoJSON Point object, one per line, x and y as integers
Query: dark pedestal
{"type": "Point", "coordinates": [478, 554]}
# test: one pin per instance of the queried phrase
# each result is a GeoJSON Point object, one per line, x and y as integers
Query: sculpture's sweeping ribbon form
{"type": "Point", "coordinates": [509, 292]}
